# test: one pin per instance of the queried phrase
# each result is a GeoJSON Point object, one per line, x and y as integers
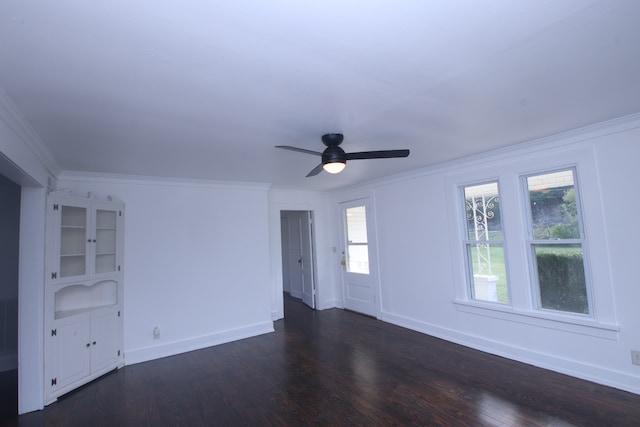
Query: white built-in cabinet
{"type": "Point", "coordinates": [83, 291]}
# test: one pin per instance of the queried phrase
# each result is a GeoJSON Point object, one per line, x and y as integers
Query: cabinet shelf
{"type": "Point", "coordinates": [78, 298]}
{"type": "Point", "coordinates": [68, 313]}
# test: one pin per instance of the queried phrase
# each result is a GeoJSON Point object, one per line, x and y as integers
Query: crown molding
{"type": "Point", "coordinates": [109, 178]}
{"type": "Point", "coordinates": [11, 116]}
{"type": "Point", "coordinates": [574, 136]}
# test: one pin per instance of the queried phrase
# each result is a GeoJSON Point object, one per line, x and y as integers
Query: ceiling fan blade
{"type": "Point", "coordinates": [301, 150]}
{"type": "Point", "coordinates": [315, 171]}
{"type": "Point", "coordinates": [382, 154]}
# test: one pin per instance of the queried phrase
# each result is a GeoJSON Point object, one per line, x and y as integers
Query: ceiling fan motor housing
{"type": "Point", "coordinates": [333, 154]}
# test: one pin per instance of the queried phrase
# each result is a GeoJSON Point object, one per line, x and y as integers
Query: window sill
{"type": "Point", "coordinates": [558, 321]}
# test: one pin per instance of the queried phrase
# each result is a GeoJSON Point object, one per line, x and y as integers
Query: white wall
{"type": "Point", "coordinates": [196, 262]}
{"type": "Point", "coordinates": [419, 271]}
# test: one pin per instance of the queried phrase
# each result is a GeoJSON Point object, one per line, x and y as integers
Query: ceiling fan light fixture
{"type": "Point", "coordinates": [334, 167]}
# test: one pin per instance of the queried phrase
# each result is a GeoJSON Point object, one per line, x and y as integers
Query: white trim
{"type": "Point", "coordinates": [15, 121]}
{"type": "Point", "coordinates": [145, 354]}
{"type": "Point", "coordinates": [557, 321]}
{"type": "Point", "coordinates": [31, 300]}
{"type": "Point", "coordinates": [96, 177]}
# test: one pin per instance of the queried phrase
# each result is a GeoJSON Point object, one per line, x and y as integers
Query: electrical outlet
{"type": "Point", "coordinates": [156, 333]}
{"type": "Point", "coordinates": [635, 357]}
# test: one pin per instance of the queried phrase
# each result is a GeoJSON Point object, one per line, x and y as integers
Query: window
{"type": "Point", "coordinates": [484, 247]}
{"type": "Point", "coordinates": [556, 242]}
{"type": "Point", "coordinates": [357, 244]}
{"type": "Point", "coordinates": [533, 225]}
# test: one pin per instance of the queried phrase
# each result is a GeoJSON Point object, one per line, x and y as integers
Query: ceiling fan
{"type": "Point", "coordinates": [334, 158]}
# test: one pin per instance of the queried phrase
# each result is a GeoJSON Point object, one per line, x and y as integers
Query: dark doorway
{"type": "Point", "coordinates": [9, 245]}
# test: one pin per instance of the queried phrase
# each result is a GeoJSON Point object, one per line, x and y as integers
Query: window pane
{"type": "Point", "coordinates": [483, 212]}
{"type": "Point", "coordinates": [488, 272]}
{"type": "Point", "coordinates": [357, 248]}
{"type": "Point", "coordinates": [485, 251]}
{"type": "Point", "coordinates": [552, 199]}
{"type": "Point", "coordinates": [356, 225]}
{"type": "Point", "coordinates": [561, 278]}
{"type": "Point", "coordinates": [358, 256]}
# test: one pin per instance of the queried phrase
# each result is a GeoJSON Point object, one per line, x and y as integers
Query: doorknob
{"type": "Point", "coordinates": [343, 262]}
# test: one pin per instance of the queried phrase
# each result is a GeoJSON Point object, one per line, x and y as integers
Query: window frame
{"type": "Point", "coordinates": [508, 171]}
{"type": "Point", "coordinates": [467, 243]}
{"type": "Point", "coordinates": [531, 242]}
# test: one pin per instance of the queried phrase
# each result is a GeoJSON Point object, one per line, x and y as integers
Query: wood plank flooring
{"type": "Point", "coordinates": [337, 368]}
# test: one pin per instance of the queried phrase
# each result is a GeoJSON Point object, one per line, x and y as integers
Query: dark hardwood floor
{"type": "Point", "coordinates": [337, 368]}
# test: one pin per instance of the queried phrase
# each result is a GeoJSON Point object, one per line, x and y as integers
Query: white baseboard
{"type": "Point", "coordinates": [145, 354]}
{"type": "Point", "coordinates": [327, 304]}
{"type": "Point", "coordinates": [593, 373]}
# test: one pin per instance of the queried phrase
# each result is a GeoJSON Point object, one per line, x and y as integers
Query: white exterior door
{"type": "Point", "coordinates": [358, 260]}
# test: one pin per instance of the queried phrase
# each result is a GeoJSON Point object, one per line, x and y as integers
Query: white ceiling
{"type": "Point", "coordinates": [205, 89]}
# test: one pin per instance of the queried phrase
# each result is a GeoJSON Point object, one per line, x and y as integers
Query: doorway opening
{"type": "Point", "coordinates": [298, 255]}
{"type": "Point", "coordinates": [9, 254]}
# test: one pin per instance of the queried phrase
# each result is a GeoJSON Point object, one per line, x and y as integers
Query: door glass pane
{"type": "Point", "coordinates": [357, 244]}
{"type": "Point", "coordinates": [73, 238]}
{"type": "Point", "coordinates": [561, 277]}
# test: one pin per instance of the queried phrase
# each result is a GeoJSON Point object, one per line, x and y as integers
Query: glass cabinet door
{"type": "Point", "coordinates": [105, 242]}
{"type": "Point", "coordinates": [73, 241]}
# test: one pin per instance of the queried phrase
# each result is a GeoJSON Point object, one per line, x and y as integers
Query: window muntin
{"type": "Point", "coordinates": [357, 243]}
{"type": "Point", "coordinates": [484, 245]}
{"type": "Point", "coordinates": [556, 242]}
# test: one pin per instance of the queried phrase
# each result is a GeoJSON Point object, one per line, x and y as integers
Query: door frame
{"type": "Point", "coordinates": [311, 301]}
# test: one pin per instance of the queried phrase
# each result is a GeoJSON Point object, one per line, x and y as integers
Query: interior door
{"type": "Point", "coordinates": [308, 274]}
{"type": "Point", "coordinates": [291, 253]}
{"type": "Point", "coordinates": [298, 262]}
{"type": "Point", "coordinates": [358, 270]}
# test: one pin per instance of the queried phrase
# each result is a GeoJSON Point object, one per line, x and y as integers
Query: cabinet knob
{"type": "Point", "coordinates": [94, 343]}
{"type": "Point", "coordinates": [88, 345]}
